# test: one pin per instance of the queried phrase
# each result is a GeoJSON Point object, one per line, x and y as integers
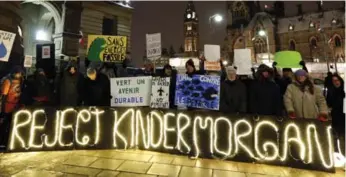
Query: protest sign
{"type": "Point", "coordinates": [28, 61]}
{"type": "Point", "coordinates": [212, 56]}
{"type": "Point", "coordinates": [160, 92]}
{"type": "Point", "coordinates": [242, 60]}
{"type": "Point", "coordinates": [131, 91]}
{"type": "Point", "coordinates": [106, 48]}
{"type": "Point", "coordinates": [6, 43]}
{"type": "Point", "coordinates": [198, 91]}
{"type": "Point", "coordinates": [153, 45]}
{"type": "Point", "coordinates": [288, 59]}
{"type": "Point", "coordinates": [45, 52]}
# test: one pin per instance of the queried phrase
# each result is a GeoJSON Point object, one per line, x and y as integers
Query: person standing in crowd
{"type": "Point", "coordinates": [122, 70]}
{"type": "Point", "coordinates": [286, 80]}
{"type": "Point", "coordinates": [149, 69]}
{"type": "Point", "coordinates": [41, 90]}
{"type": "Point", "coordinates": [304, 100]}
{"type": "Point", "coordinates": [168, 72]}
{"type": "Point", "coordinates": [265, 98]}
{"type": "Point", "coordinates": [328, 83]}
{"type": "Point", "coordinates": [191, 68]}
{"type": "Point", "coordinates": [233, 93]}
{"type": "Point", "coordinates": [96, 89]}
{"type": "Point", "coordinates": [108, 69]}
{"type": "Point", "coordinates": [335, 99]}
{"type": "Point", "coordinates": [11, 89]}
{"type": "Point", "coordinates": [71, 86]}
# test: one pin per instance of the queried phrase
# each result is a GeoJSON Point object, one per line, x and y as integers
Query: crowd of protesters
{"type": "Point", "coordinates": [265, 92]}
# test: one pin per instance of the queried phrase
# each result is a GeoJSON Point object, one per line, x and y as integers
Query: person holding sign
{"type": "Point", "coordinates": [233, 93]}
{"type": "Point", "coordinates": [168, 72]}
{"type": "Point", "coordinates": [304, 100]}
{"type": "Point", "coordinates": [191, 68]}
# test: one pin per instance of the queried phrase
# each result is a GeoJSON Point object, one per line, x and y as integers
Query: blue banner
{"type": "Point", "coordinates": [198, 91]}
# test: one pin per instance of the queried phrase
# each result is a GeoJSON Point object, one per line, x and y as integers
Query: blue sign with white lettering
{"type": "Point", "coordinates": [198, 91]}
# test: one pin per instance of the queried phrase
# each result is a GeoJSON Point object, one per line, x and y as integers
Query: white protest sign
{"type": "Point", "coordinates": [212, 52]}
{"type": "Point", "coordinates": [28, 61]}
{"type": "Point", "coordinates": [6, 43]}
{"type": "Point", "coordinates": [153, 45]}
{"type": "Point", "coordinates": [45, 52]}
{"type": "Point", "coordinates": [130, 91]}
{"type": "Point", "coordinates": [160, 92]}
{"type": "Point", "coordinates": [242, 60]}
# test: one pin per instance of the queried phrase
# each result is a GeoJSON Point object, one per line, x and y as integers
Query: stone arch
{"type": "Point", "coordinates": [337, 40]}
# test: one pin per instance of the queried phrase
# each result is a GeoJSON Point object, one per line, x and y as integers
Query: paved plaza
{"type": "Point", "coordinates": [135, 163]}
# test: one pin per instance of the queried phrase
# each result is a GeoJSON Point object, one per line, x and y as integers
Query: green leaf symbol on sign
{"type": "Point", "coordinates": [96, 47]}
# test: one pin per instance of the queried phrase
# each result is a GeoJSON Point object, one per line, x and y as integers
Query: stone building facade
{"type": "Point", "coordinates": [66, 24]}
{"type": "Point", "coordinates": [319, 35]}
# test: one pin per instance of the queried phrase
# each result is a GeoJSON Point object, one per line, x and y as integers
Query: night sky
{"type": "Point", "coordinates": [167, 17]}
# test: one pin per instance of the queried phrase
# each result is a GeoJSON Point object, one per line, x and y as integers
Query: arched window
{"type": "Point", "coordinates": [337, 41]}
{"type": "Point", "coordinates": [292, 45]}
{"type": "Point", "coordinates": [313, 47]}
{"type": "Point", "coordinates": [259, 46]}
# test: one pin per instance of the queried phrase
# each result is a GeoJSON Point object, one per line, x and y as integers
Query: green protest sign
{"type": "Point", "coordinates": [288, 59]}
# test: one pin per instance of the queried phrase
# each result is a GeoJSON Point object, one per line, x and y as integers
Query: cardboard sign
{"type": "Point", "coordinates": [6, 43]}
{"type": "Point", "coordinates": [199, 91]}
{"type": "Point", "coordinates": [160, 92]}
{"type": "Point", "coordinates": [303, 143]}
{"type": "Point", "coordinates": [242, 60]}
{"type": "Point", "coordinates": [153, 45]}
{"type": "Point", "coordinates": [131, 91]}
{"type": "Point", "coordinates": [212, 65]}
{"type": "Point", "coordinates": [288, 59]}
{"type": "Point", "coordinates": [212, 52]}
{"type": "Point", "coordinates": [45, 52]}
{"type": "Point", "coordinates": [107, 48]}
{"type": "Point", "coordinates": [28, 61]}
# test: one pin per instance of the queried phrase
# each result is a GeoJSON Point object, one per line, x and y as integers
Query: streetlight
{"type": "Point", "coordinates": [264, 34]}
{"type": "Point", "coordinates": [217, 18]}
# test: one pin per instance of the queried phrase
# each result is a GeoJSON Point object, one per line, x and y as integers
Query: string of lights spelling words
{"type": "Point", "coordinates": [264, 150]}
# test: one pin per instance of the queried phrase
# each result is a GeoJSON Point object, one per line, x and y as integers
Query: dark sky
{"type": "Point", "coordinates": [167, 18]}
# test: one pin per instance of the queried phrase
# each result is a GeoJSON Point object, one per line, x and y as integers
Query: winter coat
{"type": "Point", "coordinates": [335, 100]}
{"type": "Point", "coordinates": [265, 98]}
{"type": "Point", "coordinates": [70, 89]}
{"type": "Point", "coordinates": [42, 89]}
{"type": "Point", "coordinates": [233, 97]}
{"type": "Point", "coordinates": [122, 72]}
{"type": "Point", "coordinates": [304, 104]}
{"type": "Point", "coordinates": [97, 92]}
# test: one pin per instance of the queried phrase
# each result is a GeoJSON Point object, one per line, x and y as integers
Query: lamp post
{"type": "Point", "coordinates": [264, 34]}
{"type": "Point", "coordinates": [217, 18]}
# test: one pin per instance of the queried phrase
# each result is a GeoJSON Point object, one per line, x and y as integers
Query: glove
{"type": "Point", "coordinates": [292, 115]}
{"type": "Point", "coordinates": [323, 117]}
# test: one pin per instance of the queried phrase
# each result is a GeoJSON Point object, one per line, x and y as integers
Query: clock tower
{"type": "Point", "coordinates": [191, 31]}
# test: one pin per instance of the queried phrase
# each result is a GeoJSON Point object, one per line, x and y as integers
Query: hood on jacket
{"type": "Point", "coordinates": [264, 68]}
{"type": "Point", "coordinates": [70, 65]}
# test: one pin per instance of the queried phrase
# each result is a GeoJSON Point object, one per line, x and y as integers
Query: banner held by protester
{"type": "Point", "coordinates": [199, 91]}
{"type": "Point", "coordinates": [153, 46]}
{"type": "Point", "coordinates": [212, 56]}
{"type": "Point", "coordinates": [107, 48]}
{"type": "Point", "coordinates": [131, 91]}
{"type": "Point", "coordinates": [160, 92]}
{"type": "Point", "coordinates": [242, 60]}
{"type": "Point", "coordinates": [6, 43]}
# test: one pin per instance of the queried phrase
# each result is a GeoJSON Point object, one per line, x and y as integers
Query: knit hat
{"type": "Point", "coordinates": [17, 69]}
{"type": "Point", "coordinates": [301, 72]}
{"type": "Point", "coordinates": [231, 69]}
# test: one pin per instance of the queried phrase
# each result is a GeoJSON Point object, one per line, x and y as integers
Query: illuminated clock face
{"type": "Point", "coordinates": [188, 16]}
